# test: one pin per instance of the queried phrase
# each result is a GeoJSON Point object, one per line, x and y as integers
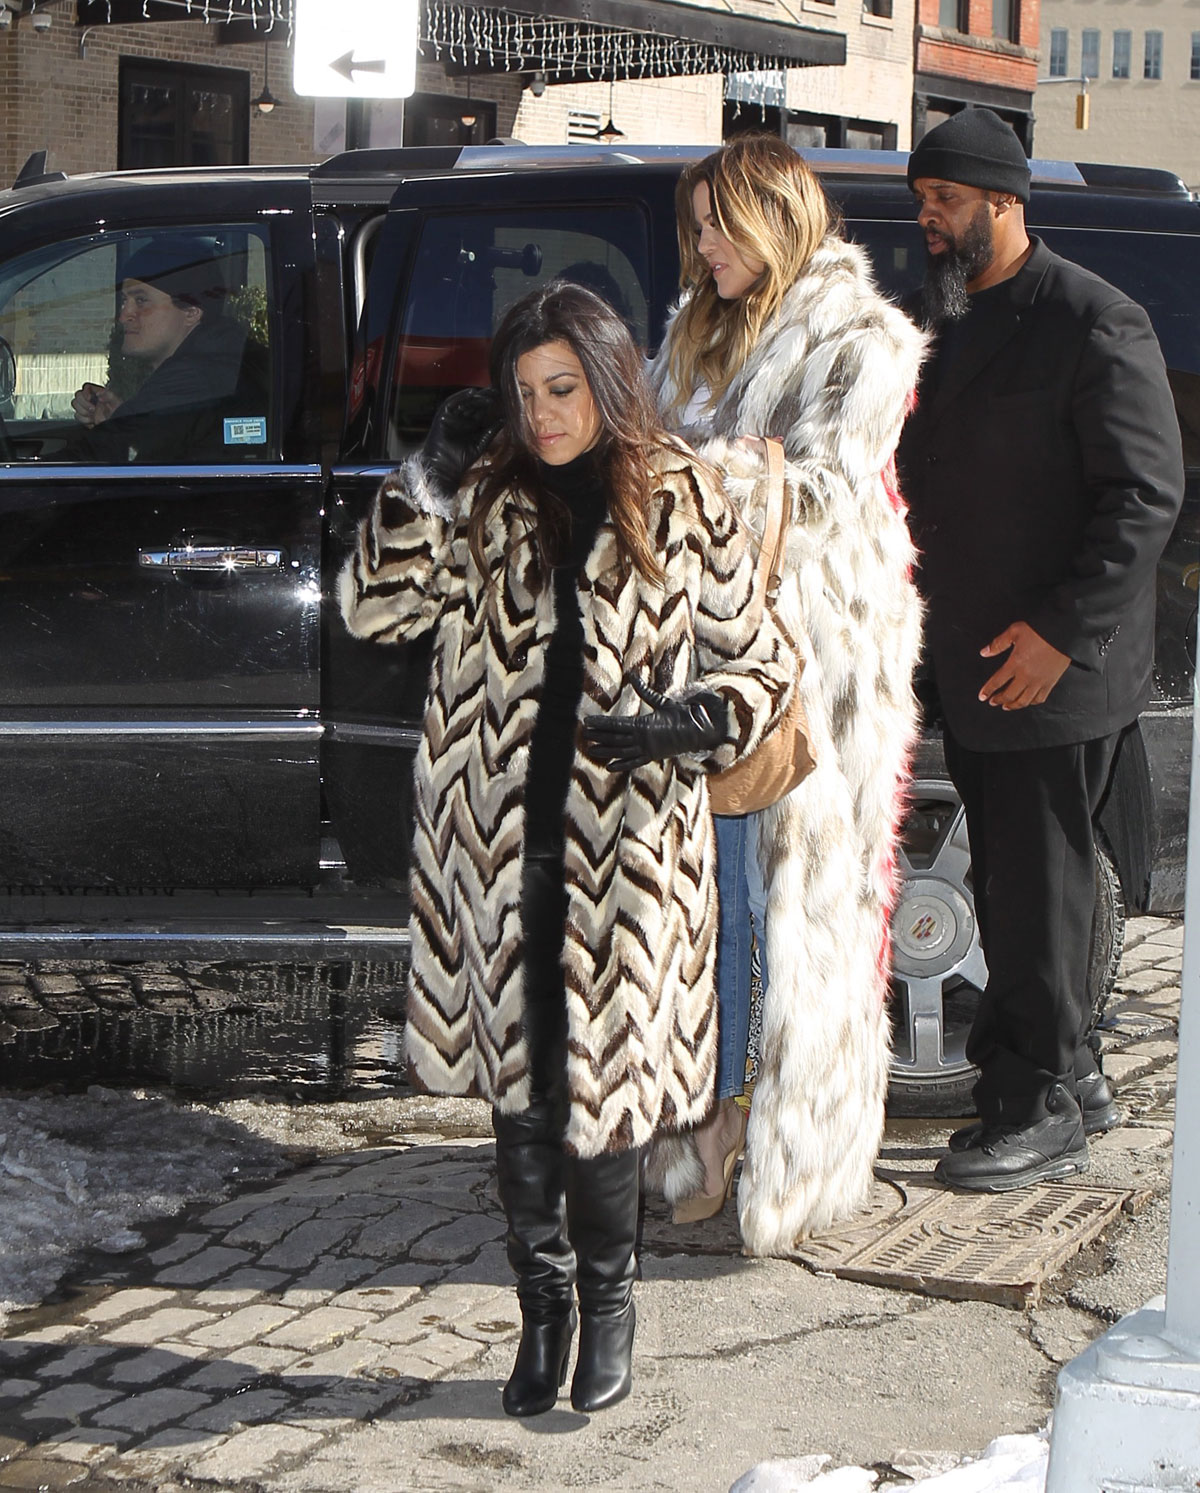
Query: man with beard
{"type": "Point", "coordinates": [1043, 471]}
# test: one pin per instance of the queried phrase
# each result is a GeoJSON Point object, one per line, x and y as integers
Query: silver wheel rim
{"type": "Point", "coordinates": [938, 969]}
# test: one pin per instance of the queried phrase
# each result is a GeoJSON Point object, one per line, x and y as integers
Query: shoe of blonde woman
{"type": "Point", "coordinates": [703, 1205]}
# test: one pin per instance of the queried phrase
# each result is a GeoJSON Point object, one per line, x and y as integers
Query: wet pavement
{"type": "Point", "coordinates": [349, 1325]}
{"type": "Point", "coordinates": [332, 1029]}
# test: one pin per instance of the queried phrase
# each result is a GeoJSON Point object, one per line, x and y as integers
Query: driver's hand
{"type": "Point", "coordinates": [94, 403]}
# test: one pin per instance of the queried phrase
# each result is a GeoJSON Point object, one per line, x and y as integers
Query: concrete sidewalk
{"type": "Point", "coordinates": [348, 1328]}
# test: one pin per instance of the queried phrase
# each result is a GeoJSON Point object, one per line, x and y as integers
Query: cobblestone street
{"type": "Point", "coordinates": [349, 1325]}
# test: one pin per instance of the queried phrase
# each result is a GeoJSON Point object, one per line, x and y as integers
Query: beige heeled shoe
{"type": "Point", "coordinates": [703, 1205]}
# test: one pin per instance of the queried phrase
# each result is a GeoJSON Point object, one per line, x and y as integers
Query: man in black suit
{"type": "Point", "coordinates": [1043, 471]}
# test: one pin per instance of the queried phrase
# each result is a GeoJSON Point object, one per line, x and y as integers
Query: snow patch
{"type": "Point", "coordinates": [87, 1171]}
{"type": "Point", "coordinates": [1016, 1464]}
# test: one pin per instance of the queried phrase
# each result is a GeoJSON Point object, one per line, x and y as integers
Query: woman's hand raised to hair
{"type": "Point", "coordinates": [463, 427]}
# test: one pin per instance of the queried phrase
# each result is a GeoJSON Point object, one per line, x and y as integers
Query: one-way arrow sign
{"type": "Point", "coordinates": [381, 37]}
{"type": "Point", "coordinates": [348, 66]}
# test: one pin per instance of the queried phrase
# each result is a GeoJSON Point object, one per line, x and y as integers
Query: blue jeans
{"type": "Point", "coordinates": [743, 902]}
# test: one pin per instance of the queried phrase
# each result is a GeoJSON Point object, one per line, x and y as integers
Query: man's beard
{"type": "Point", "coordinates": [944, 293]}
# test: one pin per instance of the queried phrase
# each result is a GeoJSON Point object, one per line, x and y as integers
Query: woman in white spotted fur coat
{"type": "Point", "coordinates": [782, 332]}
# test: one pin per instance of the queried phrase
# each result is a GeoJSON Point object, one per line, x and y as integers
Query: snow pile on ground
{"type": "Point", "coordinates": [86, 1171]}
{"type": "Point", "coordinates": [1015, 1464]}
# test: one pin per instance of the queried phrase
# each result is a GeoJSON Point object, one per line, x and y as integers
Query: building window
{"type": "Point", "coordinates": [880, 8]}
{"type": "Point", "coordinates": [952, 15]}
{"type": "Point", "coordinates": [1122, 52]}
{"type": "Point", "coordinates": [426, 119]}
{"type": "Point", "coordinates": [1004, 19]}
{"type": "Point", "coordinates": [1089, 54]}
{"type": "Point", "coordinates": [171, 114]}
{"type": "Point", "coordinates": [1194, 73]}
{"type": "Point", "coordinates": [1152, 67]}
{"type": "Point", "coordinates": [1058, 52]}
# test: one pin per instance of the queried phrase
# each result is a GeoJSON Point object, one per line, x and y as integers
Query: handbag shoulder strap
{"type": "Point", "coordinates": [770, 555]}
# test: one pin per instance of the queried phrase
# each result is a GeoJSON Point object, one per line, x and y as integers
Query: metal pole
{"type": "Point", "coordinates": [1183, 1251]}
{"type": "Point", "coordinates": [1127, 1414]}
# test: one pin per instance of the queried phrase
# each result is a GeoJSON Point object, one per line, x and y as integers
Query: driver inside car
{"type": "Point", "coordinates": [171, 312]}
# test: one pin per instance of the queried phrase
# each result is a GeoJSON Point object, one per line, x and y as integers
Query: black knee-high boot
{"type": "Point", "coordinates": [531, 1170]}
{"type": "Point", "coordinates": [602, 1218]}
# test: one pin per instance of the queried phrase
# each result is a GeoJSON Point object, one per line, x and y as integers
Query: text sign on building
{"type": "Point", "coordinates": [355, 48]}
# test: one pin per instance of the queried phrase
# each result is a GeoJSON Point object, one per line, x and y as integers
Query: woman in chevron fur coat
{"type": "Point", "coordinates": [781, 332]}
{"type": "Point", "coordinates": [564, 906]}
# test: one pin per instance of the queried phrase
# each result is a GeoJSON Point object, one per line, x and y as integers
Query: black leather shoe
{"type": "Point", "coordinates": [1007, 1158]}
{"type": "Point", "coordinates": [1100, 1113]}
{"type": "Point", "coordinates": [604, 1368]}
{"type": "Point", "coordinates": [1100, 1110]}
{"type": "Point", "coordinates": [541, 1367]}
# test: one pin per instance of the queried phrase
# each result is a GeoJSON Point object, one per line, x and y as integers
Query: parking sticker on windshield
{"type": "Point", "coordinates": [248, 430]}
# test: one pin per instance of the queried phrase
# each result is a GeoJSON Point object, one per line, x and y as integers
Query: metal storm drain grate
{"type": "Point", "coordinates": [969, 1246]}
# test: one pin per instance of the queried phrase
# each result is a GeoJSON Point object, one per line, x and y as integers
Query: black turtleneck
{"type": "Point", "coordinates": [582, 488]}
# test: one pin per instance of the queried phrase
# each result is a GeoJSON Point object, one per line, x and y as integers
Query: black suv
{"type": "Point", "coordinates": [197, 762]}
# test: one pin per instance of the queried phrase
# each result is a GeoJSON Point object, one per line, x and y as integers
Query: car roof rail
{"type": "Point", "coordinates": [387, 160]}
{"type": "Point", "coordinates": [34, 171]}
{"type": "Point", "coordinates": [1133, 178]}
{"type": "Point", "coordinates": [830, 160]}
{"type": "Point", "coordinates": [506, 151]}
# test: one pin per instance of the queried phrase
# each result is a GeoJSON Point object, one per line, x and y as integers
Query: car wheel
{"type": "Point", "coordinates": [938, 968]}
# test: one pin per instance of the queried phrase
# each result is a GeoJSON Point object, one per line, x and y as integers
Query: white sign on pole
{"type": "Point", "coordinates": [355, 48]}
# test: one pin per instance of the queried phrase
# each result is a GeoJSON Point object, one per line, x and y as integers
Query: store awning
{"type": "Point", "coordinates": [603, 40]}
{"type": "Point", "coordinates": [579, 41]}
{"type": "Point", "coordinates": [264, 15]}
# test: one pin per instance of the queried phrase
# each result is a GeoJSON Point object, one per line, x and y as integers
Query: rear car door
{"type": "Point", "coordinates": [159, 577]}
{"type": "Point", "coordinates": [454, 252]}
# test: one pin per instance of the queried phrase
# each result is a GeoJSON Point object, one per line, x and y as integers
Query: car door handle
{"type": "Point", "coordinates": [212, 557]}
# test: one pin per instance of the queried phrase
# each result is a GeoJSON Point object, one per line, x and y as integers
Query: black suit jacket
{"type": "Point", "coordinates": [1043, 475]}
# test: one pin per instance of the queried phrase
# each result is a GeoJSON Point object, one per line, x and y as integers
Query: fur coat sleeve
{"type": "Point", "coordinates": [411, 551]}
{"type": "Point", "coordinates": [832, 378]}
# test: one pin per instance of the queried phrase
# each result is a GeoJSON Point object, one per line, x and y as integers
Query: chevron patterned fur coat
{"type": "Point", "coordinates": [640, 947]}
{"type": "Point", "coordinates": [833, 378]}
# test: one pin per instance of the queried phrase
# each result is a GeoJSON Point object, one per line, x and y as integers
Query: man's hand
{"type": "Point", "coordinates": [1031, 670]}
{"type": "Point", "coordinates": [93, 404]}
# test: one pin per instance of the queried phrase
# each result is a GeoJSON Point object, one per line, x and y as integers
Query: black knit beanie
{"type": "Point", "coordinates": [184, 266]}
{"type": "Point", "coordinates": [974, 147]}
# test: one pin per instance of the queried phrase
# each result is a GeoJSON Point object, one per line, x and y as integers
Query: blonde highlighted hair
{"type": "Point", "coordinates": [771, 208]}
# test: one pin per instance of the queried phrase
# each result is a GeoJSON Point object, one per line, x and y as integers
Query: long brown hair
{"type": "Point", "coordinates": [630, 433]}
{"type": "Point", "coordinates": [771, 208]}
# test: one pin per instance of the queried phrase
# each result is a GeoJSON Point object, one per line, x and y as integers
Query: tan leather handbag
{"type": "Point", "coordinates": [784, 758]}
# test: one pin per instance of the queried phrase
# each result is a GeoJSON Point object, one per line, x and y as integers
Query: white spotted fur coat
{"type": "Point", "coordinates": [833, 378]}
{"type": "Point", "coordinates": [640, 947]}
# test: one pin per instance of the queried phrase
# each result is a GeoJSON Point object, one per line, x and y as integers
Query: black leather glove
{"type": "Point", "coordinates": [698, 724]}
{"type": "Point", "coordinates": [463, 427]}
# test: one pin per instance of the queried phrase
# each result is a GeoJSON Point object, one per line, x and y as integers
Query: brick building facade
{"type": "Point", "coordinates": [97, 97]}
{"type": "Point", "coordinates": [976, 52]}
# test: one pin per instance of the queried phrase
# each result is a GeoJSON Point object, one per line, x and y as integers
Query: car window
{"type": "Point", "coordinates": [468, 270]}
{"type": "Point", "coordinates": [138, 347]}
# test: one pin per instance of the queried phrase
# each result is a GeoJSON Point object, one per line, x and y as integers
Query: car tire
{"type": "Point", "coordinates": [938, 968]}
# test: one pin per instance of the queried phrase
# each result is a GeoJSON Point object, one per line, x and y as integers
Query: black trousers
{"type": "Point", "coordinates": [1030, 824]}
